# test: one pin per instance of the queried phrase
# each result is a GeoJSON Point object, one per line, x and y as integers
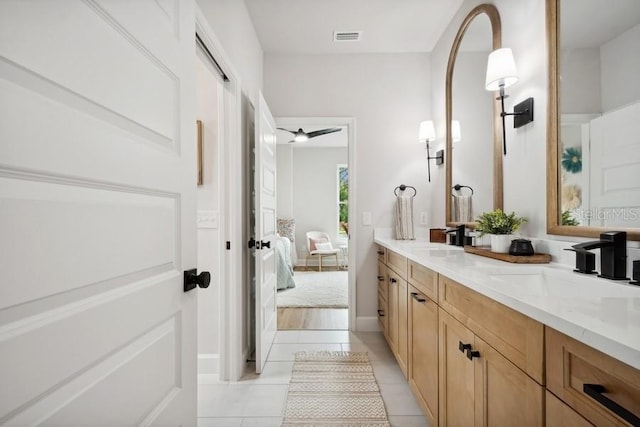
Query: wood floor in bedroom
{"type": "Point", "coordinates": [313, 318]}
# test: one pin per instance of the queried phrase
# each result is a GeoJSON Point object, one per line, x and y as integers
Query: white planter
{"type": "Point", "coordinates": [500, 242]}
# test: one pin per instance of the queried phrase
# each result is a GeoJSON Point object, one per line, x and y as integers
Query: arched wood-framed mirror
{"type": "Point", "coordinates": [593, 135]}
{"type": "Point", "coordinates": [492, 140]}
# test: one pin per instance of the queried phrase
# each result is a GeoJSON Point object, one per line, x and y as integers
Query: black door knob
{"type": "Point", "coordinates": [193, 279]}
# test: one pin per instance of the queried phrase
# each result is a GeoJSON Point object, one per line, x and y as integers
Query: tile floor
{"type": "Point", "coordinates": [258, 400]}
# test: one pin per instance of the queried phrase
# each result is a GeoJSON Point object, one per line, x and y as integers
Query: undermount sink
{"type": "Point", "coordinates": [546, 281]}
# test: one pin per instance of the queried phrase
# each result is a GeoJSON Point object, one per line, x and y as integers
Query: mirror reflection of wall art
{"type": "Point", "coordinates": [199, 153]}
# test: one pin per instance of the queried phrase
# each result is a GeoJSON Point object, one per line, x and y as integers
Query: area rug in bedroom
{"type": "Point", "coordinates": [334, 389]}
{"type": "Point", "coordinates": [327, 289]}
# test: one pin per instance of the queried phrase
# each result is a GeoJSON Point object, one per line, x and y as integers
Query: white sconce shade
{"type": "Point", "coordinates": [427, 131]}
{"type": "Point", "coordinates": [501, 69]}
{"type": "Point", "coordinates": [456, 135]}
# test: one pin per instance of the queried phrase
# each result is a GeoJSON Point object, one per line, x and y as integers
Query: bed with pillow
{"type": "Point", "coordinates": [284, 263]}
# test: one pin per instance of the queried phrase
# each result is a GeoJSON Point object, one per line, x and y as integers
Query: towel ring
{"type": "Point", "coordinates": [458, 187]}
{"type": "Point", "coordinates": [403, 187]}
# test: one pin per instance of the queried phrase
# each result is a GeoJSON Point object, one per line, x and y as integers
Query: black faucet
{"type": "Point", "coordinates": [613, 255]}
{"type": "Point", "coordinates": [458, 238]}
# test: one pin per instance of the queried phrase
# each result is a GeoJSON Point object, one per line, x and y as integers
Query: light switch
{"type": "Point", "coordinates": [207, 219]}
{"type": "Point", "coordinates": [423, 218]}
{"type": "Point", "coordinates": [366, 218]}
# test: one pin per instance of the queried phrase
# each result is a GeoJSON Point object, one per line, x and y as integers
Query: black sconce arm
{"type": "Point", "coordinates": [439, 158]}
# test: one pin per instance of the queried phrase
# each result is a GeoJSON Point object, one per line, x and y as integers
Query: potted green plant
{"type": "Point", "coordinates": [500, 226]}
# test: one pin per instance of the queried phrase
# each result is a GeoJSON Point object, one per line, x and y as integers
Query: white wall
{"type": "Point", "coordinates": [388, 95]}
{"type": "Point", "coordinates": [313, 187]}
{"type": "Point", "coordinates": [620, 59]}
{"type": "Point", "coordinates": [208, 201]}
{"type": "Point", "coordinates": [599, 80]}
{"type": "Point", "coordinates": [581, 81]}
{"type": "Point", "coordinates": [284, 190]}
{"type": "Point", "coordinates": [232, 25]}
{"type": "Point", "coordinates": [523, 30]}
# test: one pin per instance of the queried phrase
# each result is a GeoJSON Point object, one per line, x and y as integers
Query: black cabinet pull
{"type": "Point", "coordinates": [380, 278]}
{"type": "Point", "coordinates": [380, 252]}
{"type": "Point", "coordinates": [380, 313]}
{"type": "Point", "coordinates": [462, 346]}
{"type": "Point", "coordinates": [392, 280]}
{"type": "Point", "coordinates": [595, 391]}
{"type": "Point", "coordinates": [417, 298]}
{"type": "Point", "coordinates": [472, 353]}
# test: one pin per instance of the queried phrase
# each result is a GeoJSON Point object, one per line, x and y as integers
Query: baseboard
{"type": "Point", "coordinates": [367, 324]}
{"type": "Point", "coordinates": [208, 363]}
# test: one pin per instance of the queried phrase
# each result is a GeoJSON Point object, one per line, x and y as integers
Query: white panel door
{"type": "Point", "coordinates": [615, 169]}
{"type": "Point", "coordinates": [265, 207]}
{"type": "Point", "coordinates": [97, 212]}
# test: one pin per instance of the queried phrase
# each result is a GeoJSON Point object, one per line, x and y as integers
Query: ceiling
{"type": "Point", "coordinates": [306, 27]}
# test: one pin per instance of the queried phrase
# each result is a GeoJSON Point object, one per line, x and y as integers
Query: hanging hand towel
{"type": "Point", "coordinates": [404, 216]}
{"type": "Point", "coordinates": [462, 208]}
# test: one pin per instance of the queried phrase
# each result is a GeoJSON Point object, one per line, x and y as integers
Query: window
{"type": "Point", "coordinates": [343, 201]}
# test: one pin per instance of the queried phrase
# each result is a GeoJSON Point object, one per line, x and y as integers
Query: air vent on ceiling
{"type": "Point", "coordinates": [347, 36]}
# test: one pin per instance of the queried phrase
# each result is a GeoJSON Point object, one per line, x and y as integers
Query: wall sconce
{"type": "Point", "coordinates": [427, 133]}
{"type": "Point", "coordinates": [502, 73]}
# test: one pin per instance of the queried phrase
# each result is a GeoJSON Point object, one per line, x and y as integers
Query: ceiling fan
{"type": "Point", "coordinates": [300, 135]}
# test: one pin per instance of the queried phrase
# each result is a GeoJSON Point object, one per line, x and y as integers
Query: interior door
{"type": "Point", "coordinates": [97, 213]}
{"type": "Point", "coordinates": [265, 229]}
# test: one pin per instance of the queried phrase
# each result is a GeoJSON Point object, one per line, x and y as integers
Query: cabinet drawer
{"type": "Point", "coordinates": [383, 281]}
{"type": "Point", "coordinates": [382, 254]}
{"type": "Point", "coordinates": [383, 318]}
{"type": "Point", "coordinates": [516, 336]}
{"type": "Point", "coordinates": [398, 263]}
{"type": "Point", "coordinates": [571, 365]}
{"type": "Point", "coordinates": [423, 279]}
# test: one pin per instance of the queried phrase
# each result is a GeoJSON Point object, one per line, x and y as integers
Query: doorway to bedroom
{"type": "Point", "coordinates": [313, 224]}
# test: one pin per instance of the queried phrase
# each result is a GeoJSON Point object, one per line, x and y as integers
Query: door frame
{"type": "Point", "coordinates": [350, 123]}
{"type": "Point", "coordinates": [230, 194]}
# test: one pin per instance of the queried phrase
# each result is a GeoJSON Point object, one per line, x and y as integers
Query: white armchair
{"type": "Point", "coordinates": [319, 245]}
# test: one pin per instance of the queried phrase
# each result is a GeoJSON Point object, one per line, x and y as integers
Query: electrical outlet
{"type": "Point", "coordinates": [423, 218]}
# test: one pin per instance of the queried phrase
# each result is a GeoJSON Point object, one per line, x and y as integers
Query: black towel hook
{"type": "Point", "coordinates": [458, 187]}
{"type": "Point", "coordinates": [403, 187]}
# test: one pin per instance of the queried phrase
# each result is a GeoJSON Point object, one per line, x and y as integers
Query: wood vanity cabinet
{"type": "Point", "coordinates": [479, 385]}
{"type": "Point", "coordinates": [396, 313]}
{"type": "Point", "coordinates": [561, 415]}
{"type": "Point", "coordinates": [398, 318]}
{"type": "Point", "coordinates": [517, 337]}
{"type": "Point", "coordinates": [423, 352]}
{"type": "Point", "coordinates": [423, 338]}
{"type": "Point", "coordinates": [382, 254]}
{"type": "Point", "coordinates": [598, 387]}
{"type": "Point", "coordinates": [383, 297]}
{"type": "Point", "coordinates": [472, 361]}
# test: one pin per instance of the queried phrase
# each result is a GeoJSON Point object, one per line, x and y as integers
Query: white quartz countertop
{"type": "Point", "coordinates": [601, 313]}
